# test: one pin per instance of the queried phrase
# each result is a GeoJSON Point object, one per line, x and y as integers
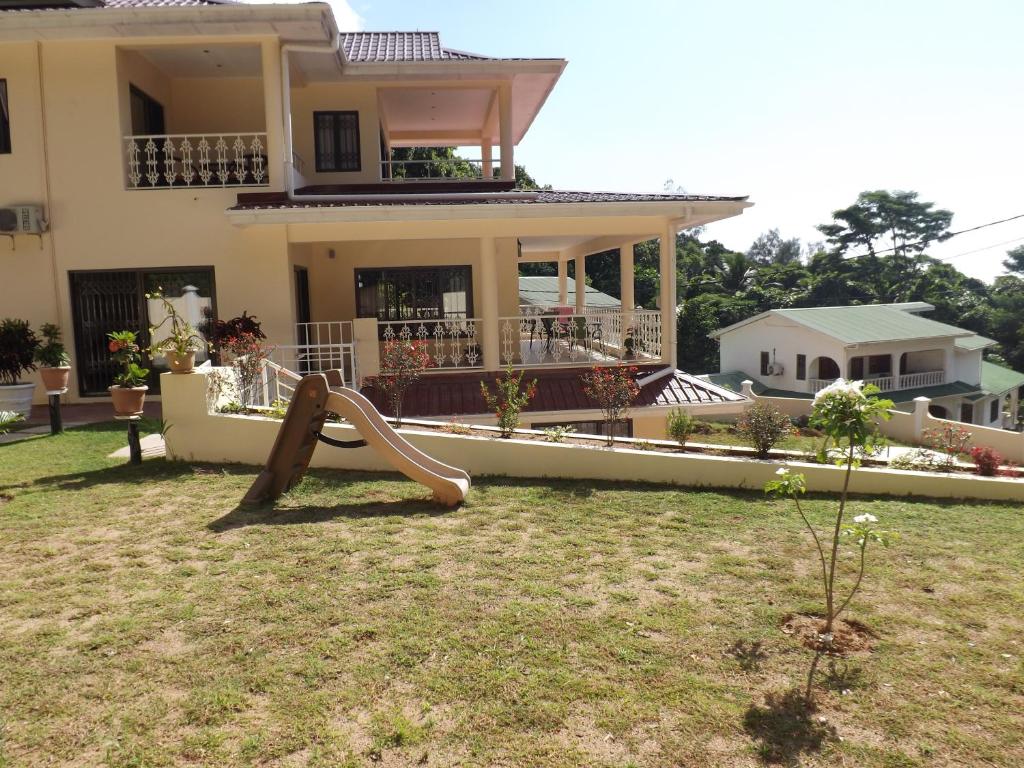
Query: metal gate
{"type": "Point", "coordinates": [102, 302]}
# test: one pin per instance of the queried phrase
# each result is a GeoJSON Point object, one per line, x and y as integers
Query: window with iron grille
{"type": "Point", "coordinates": [336, 139]}
{"type": "Point", "coordinates": [5, 120]}
{"type": "Point", "coordinates": [415, 293]}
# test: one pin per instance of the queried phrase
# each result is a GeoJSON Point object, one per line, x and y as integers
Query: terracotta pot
{"type": "Point", "coordinates": [55, 379]}
{"type": "Point", "coordinates": [17, 398]}
{"type": "Point", "coordinates": [128, 400]}
{"type": "Point", "coordinates": [181, 363]}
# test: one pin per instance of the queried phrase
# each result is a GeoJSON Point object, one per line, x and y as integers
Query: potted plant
{"type": "Point", "coordinates": [181, 344]}
{"type": "Point", "coordinates": [53, 359]}
{"type": "Point", "coordinates": [129, 389]}
{"type": "Point", "coordinates": [18, 345]}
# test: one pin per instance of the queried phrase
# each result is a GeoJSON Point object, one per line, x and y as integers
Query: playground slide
{"type": "Point", "coordinates": [450, 485]}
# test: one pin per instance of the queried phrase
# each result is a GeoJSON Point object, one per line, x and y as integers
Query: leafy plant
{"type": "Point", "coordinates": [919, 459]}
{"type": "Point", "coordinates": [9, 419]}
{"type": "Point", "coordinates": [645, 445]}
{"type": "Point", "coordinates": [614, 389]}
{"type": "Point", "coordinates": [125, 350]}
{"type": "Point", "coordinates": [51, 352]}
{"type": "Point", "coordinates": [509, 399]}
{"type": "Point", "coordinates": [679, 426]}
{"type": "Point", "coordinates": [986, 460]}
{"type": "Point", "coordinates": [219, 332]}
{"type": "Point", "coordinates": [248, 354]}
{"type": "Point", "coordinates": [950, 439]}
{"type": "Point", "coordinates": [402, 363]}
{"type": "Point", "coordinates": [848, 413]}
{"type": "Point", "coordinates": [558, 433]}
{"type": "Point", "coordinates": [763, 426]}
{"type": "Point", "coordinates": [181, 339]}
{"type": "Point", "coordinates": [18, 345]}
{"type": "Point", "coordinates": [454, 427]}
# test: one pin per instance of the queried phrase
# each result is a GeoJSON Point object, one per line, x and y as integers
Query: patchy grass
{"type": "Point", "coordinates": [147, 621]}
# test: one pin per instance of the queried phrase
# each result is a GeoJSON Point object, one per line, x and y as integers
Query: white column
{"type": "Point", "coordinates": [508, 167]}
{"type": "Point", "coordinates": [487, 171]}
{"type": "Point", "coordinates": [563, 282]}
{"type": "Point", "coordinates": [626, 293]}
{"type": "Point", "coordinates": [667, 293]}
{"type": "Point", "coordinates": [489, 304]}
{"type": "Point", "coordinates": [581, 284]}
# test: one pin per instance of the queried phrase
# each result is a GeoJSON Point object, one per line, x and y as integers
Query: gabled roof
{"type": "Point", "coordinates": [542, 291]}
{"type": "Point", "coordinates": [863, 324]}
{"type": "Point", "coordinates": [997, 380]}
{"type": "Point", "coordinates": [400, 46]}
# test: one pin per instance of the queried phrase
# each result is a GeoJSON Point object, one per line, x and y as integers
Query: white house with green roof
{"type": "Point", "coordinates": [796, 352]}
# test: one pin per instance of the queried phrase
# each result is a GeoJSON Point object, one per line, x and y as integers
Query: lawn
{"type": "Point", "coordinates": [146, 620]}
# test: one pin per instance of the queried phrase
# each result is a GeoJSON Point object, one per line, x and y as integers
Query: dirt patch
{"type": "Point", "coordinates": [5, 497]}
{"type": "Point", "coordinates": [848, 637]}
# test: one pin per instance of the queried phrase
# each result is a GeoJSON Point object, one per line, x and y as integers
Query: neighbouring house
{"type": "Point", "coordinates": [796, 352]}
{"type": "Point", "coordinates": [545, 294]}
{"type": "Point", "coordinates": [251, 157]}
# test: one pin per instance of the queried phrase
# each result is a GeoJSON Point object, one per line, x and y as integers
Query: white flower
{"type": "Point", "coordinates": [841, 388]}
{"type": "Point", "coordinates": [865, 518]}
{"type": "Point", "coordinates": [782, 471]}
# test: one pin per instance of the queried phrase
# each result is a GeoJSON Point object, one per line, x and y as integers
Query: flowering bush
{"type": "Point", "coordinates": [613, 389]}
{"type": "Point", "coordinates": [509, 399]}
{"type": "Point", "coordinates": [950, 440]}
{"type": "Point", "coordinates": [764, 426]}
{"type": "Point", "coordinates": [124, 350]}
{"type": "Point", "coordinates": [847, 412]}
{"type": "Point", "coordinates": [986, 460]}
{"type": "Point", "coordinates": [248, 353]}
{"type": "Point", "coordinates": [402, 363]}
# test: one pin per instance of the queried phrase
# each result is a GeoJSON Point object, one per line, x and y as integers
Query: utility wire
{"type": "Point", "coordinates": [979, 250]}
{"type": "Point", "coordinates": [951, 235]}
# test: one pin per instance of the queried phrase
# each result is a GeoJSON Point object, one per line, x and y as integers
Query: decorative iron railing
{"type": "Point", "coordinates": [453, 343]}
{"type": "Point", "coordinates": [197, 160]}
{"type": "Point", "coordinates": [588, 338]}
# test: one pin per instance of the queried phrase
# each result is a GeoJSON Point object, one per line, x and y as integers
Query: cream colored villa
{"type": "Point", "coordinates": [796, 352]}
{"type": "Point", "coordinates": [246, 157]}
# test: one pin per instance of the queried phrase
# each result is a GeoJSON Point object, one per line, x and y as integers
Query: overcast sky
{"type": "Point", "coordinates": [799, 104]}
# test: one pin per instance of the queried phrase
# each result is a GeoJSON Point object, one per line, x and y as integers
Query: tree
{"type": "Point", "coordinates": [770, 248]}
{"type": "Point", "coordinates": [1014, 261]}
{"type": "Point", "coordinates": [910, 225]}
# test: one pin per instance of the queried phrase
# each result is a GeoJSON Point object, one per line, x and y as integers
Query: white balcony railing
{"type": "Point", "coordinates": [892, 383]}
{"type": "Point", "coordinates": [197, 160]}
{"type": "Point", "coordinates": [452, 343]}
{"type": "Point", "coordinates": [588, 338]}
{"type": "Point", "coordinates": [436, 170]}
{"type": "Point", "coordinates": [320, 347]}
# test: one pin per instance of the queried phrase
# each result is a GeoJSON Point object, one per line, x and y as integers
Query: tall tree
{"type": "Point", "coordinates": [897, 217]}
{"type": "Point", "coordinates": [771, 248]}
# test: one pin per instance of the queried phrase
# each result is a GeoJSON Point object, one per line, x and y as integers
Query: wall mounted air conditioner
{"type": "Point", "coordinates": [22, 220]}
{"type": "Point", "coordinates": [776, 369]}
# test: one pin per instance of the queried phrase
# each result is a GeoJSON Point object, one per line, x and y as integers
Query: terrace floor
{"type": "Point", "coordinates": [147, 620]}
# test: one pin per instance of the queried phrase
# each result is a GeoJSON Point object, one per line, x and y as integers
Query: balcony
{"type": "Point", "coordinates": [563, 338]}
{"type": "Point", "coordinates": [440, 169]}
{"type": "Point", "coordinates": [893, 382]}
{"type": "Point", "coordinates": [197, 160]}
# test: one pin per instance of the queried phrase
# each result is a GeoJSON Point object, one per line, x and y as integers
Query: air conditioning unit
{"type": "Point", "coordinates": [776, 369]}
{"type": "Point", "coordinates": [22, 220]}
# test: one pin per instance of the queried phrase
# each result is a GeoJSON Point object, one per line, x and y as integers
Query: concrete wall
{"type": "Point", "coordinates": [198, 435]}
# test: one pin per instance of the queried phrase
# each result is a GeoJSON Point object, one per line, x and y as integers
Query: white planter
{"type": "Point", "coordinates": [17, 398]}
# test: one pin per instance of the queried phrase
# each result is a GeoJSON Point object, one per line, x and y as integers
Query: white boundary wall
{"type": "Point", "coordinates": [196, 434]}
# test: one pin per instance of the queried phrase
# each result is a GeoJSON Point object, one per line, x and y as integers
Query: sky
{"type": "Point", "coordinates": [799, 104]}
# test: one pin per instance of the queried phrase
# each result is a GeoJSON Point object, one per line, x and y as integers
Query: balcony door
{"type": "Point", "coordinates": [415, 293]}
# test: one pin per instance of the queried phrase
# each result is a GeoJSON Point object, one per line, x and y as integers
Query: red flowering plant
{"type": "Point", "coordinates": [402, 363]}
{"type": "Point", "coordinates": [986, 460]}
{"type": "Point", "coordinates": [248, 353]}
{"type": "Point", "coordinates": [614, 389]}
{"type": "Point", "coordinates": [125, 351]}
{"type": "Point", "coordinates": [509, 399]}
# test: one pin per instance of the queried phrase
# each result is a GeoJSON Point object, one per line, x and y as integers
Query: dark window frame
{"type": "Point", "coordinates": [153, 114]}
{"type": "Point", "coordinates": [993, 410]}
{"type": "Point", "coordinates": [765, 362]}
{"type": "Point", "coordinates": [5, 119]}
{"type": "Point", "coordinates": [337, 134]}
{"type": "Point", "coordinates": [438, 269]}
{"type": "Point", "coordinates": [801, 367]}
{"type": "Point", "coordinates": [140, 274]}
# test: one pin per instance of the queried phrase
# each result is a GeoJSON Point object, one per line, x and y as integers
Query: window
{"type": "Point", "coordinates": [967, 413]}
{"type": "Point", "coordinates": [993, 411]}
{"type": "Point", "coordinates": [801, 367]}
{"type": "Point", "coordinates": [147, 113]}
{"type": "Point", "coordinates": [336, 138]}
{"type": "Point", "coordinates": [415, 293]}
{"type": "Point", "coordinates": [5, 120]}
{"type": "Point", "coordinates": [764, 363]}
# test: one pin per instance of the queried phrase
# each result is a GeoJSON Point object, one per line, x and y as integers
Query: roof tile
{"type": "Point", "coordinates": [399, 46]}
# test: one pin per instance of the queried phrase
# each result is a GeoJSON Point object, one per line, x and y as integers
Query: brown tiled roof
{"type": "Point", "coordinates": [274, 201]}
{"type": "Point", "coordinates": [399, 46]}
{"type": "Point", "coordinates": [444, 395]}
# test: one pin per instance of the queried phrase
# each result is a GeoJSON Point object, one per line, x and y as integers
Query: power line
{"type": "Point", "coordinates": [951, 235]}
{"type": "Point", "coordinates": [979, 250]}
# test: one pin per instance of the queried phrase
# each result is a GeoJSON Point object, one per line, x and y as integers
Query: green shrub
{"type": "Point", "coordinates": [18, 345]}
{"type": "Point", "coordinates": [763, 426]}
{"type": "Point", "coordinates": [679, 426]}
{"type": "Point", "coordinates": [509, 399]}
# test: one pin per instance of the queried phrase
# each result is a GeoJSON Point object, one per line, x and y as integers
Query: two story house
{"type": "Point", "coordinates": [796, 352]}
{"type": "Point", "coordinates": [252, 158]}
